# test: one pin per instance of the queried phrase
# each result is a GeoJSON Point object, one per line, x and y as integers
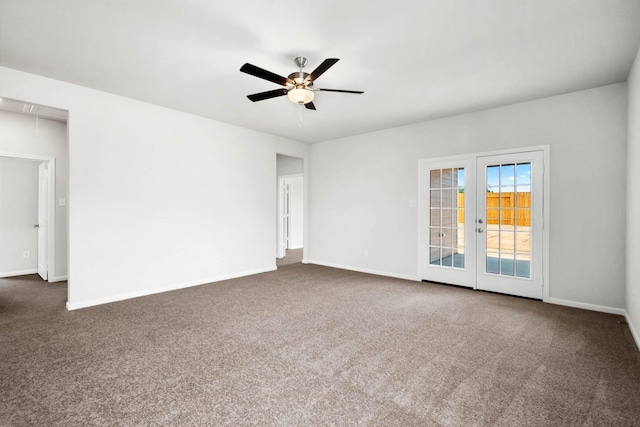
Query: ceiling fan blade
{"type": "Point", "coordinates": [309, 106]}
{"type": "Point", "coordinates": [339, 90]}
{"type": "Point", "coordinates": [328, 63]}
{"type": "Point", "coordinates": [264, 74]}
{"type": "Point", "coordinates": [267, 95]}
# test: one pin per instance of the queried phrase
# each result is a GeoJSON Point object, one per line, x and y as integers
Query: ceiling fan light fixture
{"type": "Point", "coordinates": [300, 95]}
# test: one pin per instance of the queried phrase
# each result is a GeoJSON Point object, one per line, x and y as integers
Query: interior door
{"type": "Point", "coordinates": [43, 219]}
{"type": "Point", "coordinates": [447, 231]}
{"type": "Point", "coordinates": [509, 224]}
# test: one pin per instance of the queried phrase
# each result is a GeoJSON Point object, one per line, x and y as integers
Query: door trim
{"type": "Point", "coordinates": [51, 235]}
{"type": "Point", "coordinates": [545, 149]}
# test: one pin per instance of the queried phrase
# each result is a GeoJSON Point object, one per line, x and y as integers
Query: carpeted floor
{"type": "Point", "coordinates": [292, 256]}
{"type": "Point", "coordinates": [310, 345]}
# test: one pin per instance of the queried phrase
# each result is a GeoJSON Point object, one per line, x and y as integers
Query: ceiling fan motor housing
{"type": "Point", "coordinates": [299, 77]}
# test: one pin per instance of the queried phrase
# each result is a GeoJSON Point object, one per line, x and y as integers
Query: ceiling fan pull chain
{"type": "Point", "coordinates": [300, 107]}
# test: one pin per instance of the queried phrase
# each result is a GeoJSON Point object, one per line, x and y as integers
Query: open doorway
{"type": "Point", "coordinates": [33, 191]}
{"type": "Point", "coordinates": [290, 195]}
{"type": "Point", "coordinates": [25, 215]}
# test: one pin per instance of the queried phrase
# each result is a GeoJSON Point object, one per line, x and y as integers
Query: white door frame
{"type": "Point", "coordinates": [51, 244]}
{"type": "Point", "coordinates": [423, 203]}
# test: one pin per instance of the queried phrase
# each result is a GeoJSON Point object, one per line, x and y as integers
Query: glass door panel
{"type": "Point", "coordinates": [508, 248]}
{"type": "Point", "coordinates": [505, 244]}
{"type": "Point", "coordinates": [444, 220]}
{"type": "Point", "coordinates": [446, 205]}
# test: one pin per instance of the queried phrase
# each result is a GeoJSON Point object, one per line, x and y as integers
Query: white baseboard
{"type": "Point", "coordinates": [18, 273]}
{"type": "Point", "coordinates": [58, 279]}
{"type": "Point", "coordinates": [121, 297]}
{"type": "Point", "coordinates": [363, 270]}
{"type": "Point", "coordinates": [633, 331]}
{"type": "Point", "coordinates": [587, 306]}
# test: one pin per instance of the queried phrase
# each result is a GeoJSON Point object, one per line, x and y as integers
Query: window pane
{"type": "Point", "coordinates": [447, 238]}
{"type": "Point", "coordinates": [435, 199]}
{"type": "Point", "coordinates": [435, 237]}
{"type": "Point", "coordinates": [493, 176]}
{"type": "Point", "coordinates": [507, 174]}
{"type": "Point", "coordinates": [460, 201]}
{"type": "Point", "coordinates": [493, 240]}
{"type": "Point", "coordinates": [460, 238]}
{"type": "Point", "coordinates": [523, 267]}
{"type": "Point", "coordinates": [507, 241]}
{"type": "Point", "coordinates": [506, 217]}
{"type": "Point", "coordinates": [447, 218]}
{"type": "Point", "coordinates": [448, 178]}
{"type": "Point", "coordinates": [523, 218]}
{"type": "Point", "coordinates": [523, 172]}
{"type": "Point", "coordinates": [507, 265]}
{"type": "Point", "coordinates": [447, 257]}
{"type": "Point", "coordinates": [493, 218]}
{"type": "Point", "coordinates": [435, 178]}
{"type": "Point", "coordinates": [493, 262]}
{"type": "Point", "coordinates": [435, 217]}
{"type": "Point", "coordinates": [434, 256]}
{"type": "Point", "coordinates": [447, 198]}
{"type": "Point", "coordinates": [459, 214]}
{"type": "Point", "coordinates": [523, 197]}
{"type": "Point", "coordinates": [523, 243]}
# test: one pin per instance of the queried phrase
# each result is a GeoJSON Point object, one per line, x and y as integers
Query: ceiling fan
{"type": "Point", "coordinates": [298, 86]}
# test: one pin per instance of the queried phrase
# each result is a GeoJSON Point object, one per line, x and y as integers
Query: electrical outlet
{"type": "Point", "coordinates": [26, 254]}
{"type": "Point", "coordinates": [366, 253]}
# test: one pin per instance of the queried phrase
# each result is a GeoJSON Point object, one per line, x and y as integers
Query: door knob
{"type": "Point", "coordinates": [479, 230]}
{"type": "Point", "coordinates": [36, 225]}
{"type": "Point", "coordinates": [479, 221]}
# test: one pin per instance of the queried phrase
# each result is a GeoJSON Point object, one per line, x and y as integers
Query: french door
{"type": "Point", "coordinates": [482, 222]}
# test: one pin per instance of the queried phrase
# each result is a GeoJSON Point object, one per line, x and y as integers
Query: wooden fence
{"type": "Point", "coordinates": [520, 216]}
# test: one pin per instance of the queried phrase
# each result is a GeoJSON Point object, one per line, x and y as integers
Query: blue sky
{"type": "Point", "coordinates": [513, 174]}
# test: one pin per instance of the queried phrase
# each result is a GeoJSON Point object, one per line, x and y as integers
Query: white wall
{"type": "Point", "coordinates": [296, 211]}
{"type": "Point", "coordinates": [18, 135]}
{"type": "Point", "coordinates": [633, 201]}
{"type": "Point", "coordinates": [18, 213]}
{"type": "Point", "coordinates": [361, 186]}
{"type": "Point", "coordinates": [151, 206]}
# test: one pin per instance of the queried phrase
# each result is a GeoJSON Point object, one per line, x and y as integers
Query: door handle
{"type": "Point", "coordinates": [36, 225]}
{"type": "Point", "coordinates": [479, 230]}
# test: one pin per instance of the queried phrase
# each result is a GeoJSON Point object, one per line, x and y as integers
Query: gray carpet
{"type": "Point", "coordinates": [292, 256]}
{"type": "Point", "coordinates": [310, 345]}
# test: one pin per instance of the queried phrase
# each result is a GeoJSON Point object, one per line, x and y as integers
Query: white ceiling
{"type": "Point", "coordinates": [415, 60]}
